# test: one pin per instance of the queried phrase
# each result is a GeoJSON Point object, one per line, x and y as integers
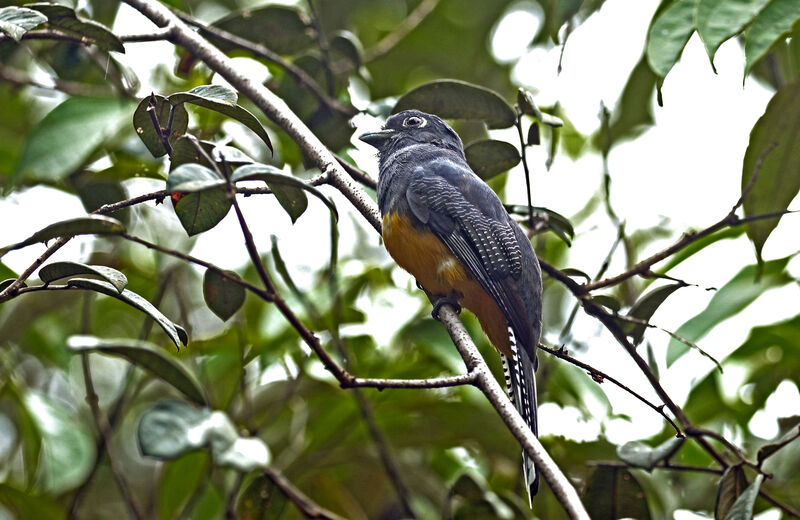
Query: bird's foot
{"type": "Point", "coordinates": [445, 300]}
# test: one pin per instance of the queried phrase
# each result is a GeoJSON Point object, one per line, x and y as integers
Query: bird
{"type": "Point", "coordinates": [447, 228]}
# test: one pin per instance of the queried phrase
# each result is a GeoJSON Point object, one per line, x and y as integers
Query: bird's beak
{"type": "Point", "coordinates": [376, 139]}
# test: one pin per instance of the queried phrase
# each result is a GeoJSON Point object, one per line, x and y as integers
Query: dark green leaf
{"type": "Point", "coordinates": [668, 35]}
{"type": "Point", "coordinates": [633, 113]}
{"type": "Point", "coordinates": [771, 25]}
{"type": "Point", "coordinates": [16, 21]}
{"type": "Point", "coordinates": [98, 189]}
{"type": "Point", "coordinates": [185, 151]}
{"type": "Point", "coordinates": [528, 107]}
{"type": "Point", "coordinates": [774, 150]}
{"type": "Point", "coordinates": [613, 493]}
{"type": "Point", "coordinates": [8, 281]}
{"type": "Point", "coordinates": [488, 158]}
{"type": "Point", "coordinates": [285, 30]}
{"type": "Point", "coordinates": [607, 301]}
{"type": "Point", "coordinates": [719, 20]}
{"type": "Point", "coordinates": [534, 138]}
{"type": "Point", "coordinates": [640, 455]}
{"type": "Point", "coordinates": [556, 222]}
{"type": "Point", "coordinates": [223, 296]}
{"type": "Point", "coordinates": [171, 428]}
{"type": "Point", "coordinates": [645, 307]}
{"type": "Point", "coordinates": [731, 486]}
{"type": "Point", "coordinates": [767, 450]}
{"type": "Point", "coordinates": [133, 299]}
{"type": "Point", "coordinates": [742, 509]}
{"type": "Point", "coordinates": [191, 177]}
{"type": "Point", "coordinates": [204, 202]}
{"type": "Point", "coordinates": [572, 272]}
{"type": "Point", "coordinates": [144, 355]}
{"type": "Point", "coordinates": [223, 100]}
{"type": "Point", "coordinates": [68, 135]}
{"type": "Point", "coordinates": [58, 270]}
{"type": "Point", "coordinates": [179, 479]}
{"type": "Point", "coordinates": [452, 99]}
{"type": "Point", "coordinates": [728, 301]}
{"type": "Point", "coordinates": [145, 129]}
{"type": "Point", "coordinates": [230, 155]}
{"type": "Point", "coordinates": [345, 46]}
{"type": "Point", "coordinates": [65, 20]}
{"type": "Point", "coordinates": [285, 187]}
{"type": "Point", "coordinates": [25, 504]}
{"type": "Point", "coordinates": [88, 225]}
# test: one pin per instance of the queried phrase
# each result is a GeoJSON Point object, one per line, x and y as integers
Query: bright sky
{"type": "Point", "coordinates": [686, 169]}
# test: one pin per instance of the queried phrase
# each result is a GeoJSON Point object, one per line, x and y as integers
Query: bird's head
{"type": "Point", "coordinates": [412, 127]}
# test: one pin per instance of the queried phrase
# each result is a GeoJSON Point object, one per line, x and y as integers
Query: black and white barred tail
{"type": "Point", "coordinates": [521, 388]}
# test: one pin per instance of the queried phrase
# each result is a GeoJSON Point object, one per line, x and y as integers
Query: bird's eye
{"type": "Point", "coordinates": [414, 121]}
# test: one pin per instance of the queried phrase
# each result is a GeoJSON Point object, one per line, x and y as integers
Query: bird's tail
{"type": "Point", "coordinates": [521, 387]}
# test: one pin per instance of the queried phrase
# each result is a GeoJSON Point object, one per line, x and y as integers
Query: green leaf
{"type": "Point", "coordinates": [699, 245]}
{"type": "Point", "coordinates": [205, 201]}
{"type": "Point", "coordinates": [718, 20]}
{"type": "Point", "coordinates": [729, 300]}
{"type": "Point", "coordinates": [285, 187]}
{"type": "Point", "coordinates": [223, 296]}
{"type": "Point", "coordinates": [452, 99]}
{"type": "Point", "coordinates": [16, 21]}
{"type": "Point", "coordinates": [556, 222]}
{"type": "Point", "coordinates": [774, 150]}
{"type": "Point", "coordinates": [68, 449]}
{"type": "Point", "coordinates": [528, 107]}
{"type": "Point", "coordinates": [24, 504]}
{"type": "Point", "coordinates": [613, 493]}
{"type": "Point", "coordinates": [572, 273]}
{"type": "Point", "coordinates": [261, 500]}
{"type": "Point", "coordinates": [771, 25]}
{"type": "Point", "coordinates": [534, 137]}
{"type": "Point", "coordinates": [645, 307]}
{"type": "Point", "coordinates": [179, 479]}
{"type": "Point", "coordinates": [164, 110]}
{"type": "Point", "coordinates": [132, 299]}
{"type": "Point", "coordinates": [769, 449]}
{"type": "Point", "coordinates": [345, 46]}
{"type": "Point", "coordinates": [285, 30]}
{"type": "Point", "coordinates": [640, 455]}
{"type": "Point", "coordinates": [223, 100]}
{"type": "Point", "coordinates": [65, 20]}
{"type": "Point", "coordinates": [8, 281]}
{"type": "Point", "coordinates": [88, 225]}
{"type": "Point", "coordinates": [68, 135]}
{"type": "Point", "coordinates": [607, 301]}
{"type": "Point", "coordinates": [489, 157]}
{"type": "Point", "coordinates": [171, 428]}
{"type": "Point", "coordinates": [731, 486]}
{"type": "Point", "coordinates": [668, 35]}
{"type": "Point", "coordinates": [145, 355]}
{"type": "Point", "coordinates": [742, 509]}
{"type": "Point", "coordinates": [57, 270]}
{"type": "Point", "coordinates": [633, 112]}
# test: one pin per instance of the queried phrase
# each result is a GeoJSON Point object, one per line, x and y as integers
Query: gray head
{"type": "Point", "coordinates": [412, 127]}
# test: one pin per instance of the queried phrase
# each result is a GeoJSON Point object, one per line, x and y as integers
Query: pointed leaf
{"type": "Point", "coordinates": [452, 99]}
{"type": "Point", "coordinates": [147, 356]}
{"type": "Point", "coordinates": [742, 509]}
{"type": "Point", "coordinates": [607, 301]}
{"type": "Point", "coordinates": [645, 307]}
{"type": "Point", "coordinates": [534, 137]}
{"type": "Point", "coordinates": [613, 493]}
{"type": "Point", "coordinates": [286, 30]}
{"type": "Point", "coordinates": [27, 504]}
{"type": "Point", "coordinates": [53, 149]}
{"type": "Point", "coordinates": [191, 177]}
{"type": "Point", "coordinates": [223, 296]}
{"type": "Point", "coordinates": [145, 129]}
{"type": "Point", "coordinates": [640, 455]}
{"type": "Point", "coordinates": [556, 222]}
{"type": "Point", "coordinates": [65, 20]}
{"type": "Point", "coordinates": [223, 100]}
{"type": "Point", "coordinates": [16, 21]}
{"type": "Point", "coordinates": [771, 25]}
{"type": "Point", "coordinates": [282, 184]}
{"type": "Point", "coordinates": [88, 225]}
{"type": "Point", "coordinates": [718, 20]}
{"type": "Point", "coordinates": [767, 450]}
{"type": "Point", "coordinates": [489, 157]}
{"type": "Point", "coordinates": [344, 45]}
{"type": "Point", "coordinates": [205, 201]}
{"type": "Point", "coordinates": [58, 270]}
{"type": "Point", "coordinates": [729, 300]}
{"type": "Point", "coordinates": [133, 299]}
{"type": "Point", "coordinates": [776, 134]}
{"type": "Point", "coordinates": [184, 151]}
{"type": "Point", "coordinates": [731, 486]}
{"type": "Point", "coordinates": [171, 428]}
{"type": "Point", "coordinates": [668, 35]}
{"type": "Point", "coordinates": [528, 107]}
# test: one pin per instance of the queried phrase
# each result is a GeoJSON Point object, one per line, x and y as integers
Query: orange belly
{"type": "Point", "coordinates": [434, 266]}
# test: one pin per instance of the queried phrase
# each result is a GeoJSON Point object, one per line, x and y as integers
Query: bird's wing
{"type": "Point", "coordinates": [465, 214]}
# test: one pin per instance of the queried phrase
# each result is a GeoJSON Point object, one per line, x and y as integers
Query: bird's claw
{"type": "Point", "coordinates": [445, 300]}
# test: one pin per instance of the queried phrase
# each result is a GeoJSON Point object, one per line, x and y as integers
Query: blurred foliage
{"type": "Point", "coordinates": [246, 392]}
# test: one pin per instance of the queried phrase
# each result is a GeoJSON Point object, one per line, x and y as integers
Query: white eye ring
{"type": "Point", "coordinates": [415, 121]}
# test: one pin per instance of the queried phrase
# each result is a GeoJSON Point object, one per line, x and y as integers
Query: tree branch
{"type": "Point", "coordinates": [306, 506]}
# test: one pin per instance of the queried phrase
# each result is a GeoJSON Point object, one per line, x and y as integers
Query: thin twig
{"type": "Point", "coordinates": [306, 506]}
{"type": "Point", "coordinates": [411, 22]}
{"type": "Point", "coordinates": [599, 376]}
{"type": "Point", "coordinates": [324, 48]}
{"type": "Point", "coordinates": [665, 465]}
